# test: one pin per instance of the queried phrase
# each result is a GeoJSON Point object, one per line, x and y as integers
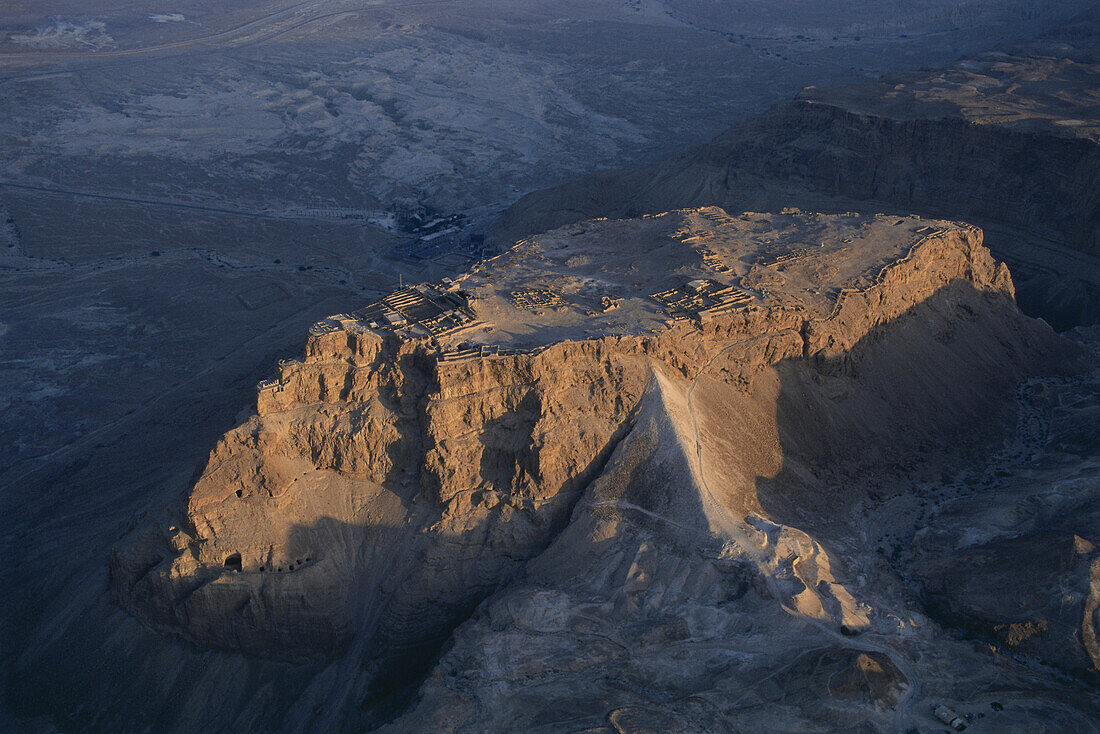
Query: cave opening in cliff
{"type": "Point", "coordinates": [233, 561]}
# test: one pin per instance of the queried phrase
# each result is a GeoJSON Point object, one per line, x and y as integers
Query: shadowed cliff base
{"type": "Point", "coordinates": [385, 489]}
{"type": "Point", "coordinates": [951, 339]}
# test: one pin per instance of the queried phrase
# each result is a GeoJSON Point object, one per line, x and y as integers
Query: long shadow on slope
{"type": "Point", "coordinates": [898, 438]}
{"type": "Point", "coordinates": [922, 394]}
{"type": "Point", "coordinates": [819, 439]}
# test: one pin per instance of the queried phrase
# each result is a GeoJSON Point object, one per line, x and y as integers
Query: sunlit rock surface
{"type": "Point", "coordinates": [673, 450]}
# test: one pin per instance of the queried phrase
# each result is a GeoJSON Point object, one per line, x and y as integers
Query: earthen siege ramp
{"type": "Point", "coordinates": [390, 480]}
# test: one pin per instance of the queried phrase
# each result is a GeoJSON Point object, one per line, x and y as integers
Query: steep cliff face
{"type": "Point", "coordinates": [375, 473]}
{"type": "Point", "coordinates": [664, 606]}
{"type": "Point", "coordinates": [386, 486]}
{"type": "Point", "coordinates": [1007, 142]}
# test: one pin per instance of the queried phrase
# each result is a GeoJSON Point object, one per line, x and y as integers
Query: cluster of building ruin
{"type": "Point", "coordinates": [424, 310]}
{"type": "Point", "coordinates": [713, 261]}
{"type": "Point", "coordinates": [484, 351]}
{"type": "Point", "coordinates": [536, 298]}
{"type": "Point", "coordinates": [269, 384]}
{"type": "Point", "coordinates": [718, 217]}
{"type": "Point", "coordinates": [795, 254]}
{"type": "Point", "coordinates": [702, 297]}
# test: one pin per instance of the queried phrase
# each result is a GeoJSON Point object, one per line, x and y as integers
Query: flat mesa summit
{"type": "Point", "coordinates": [627, 450]}
{"type": "Point", "coordinates": [641, 276]}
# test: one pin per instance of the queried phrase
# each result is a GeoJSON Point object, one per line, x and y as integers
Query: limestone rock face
{"type": "Point", "coordinates": [381, 491]}
{"type": "Point", "coordinates": [752, 560]}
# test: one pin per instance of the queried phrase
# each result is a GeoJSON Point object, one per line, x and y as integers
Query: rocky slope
{"type": "Point", "coordinates": [827, 616]}
{"type": "Point", "coordinates": [664, 496]}
{"type": "Point", "coordinates": [1008, 141]}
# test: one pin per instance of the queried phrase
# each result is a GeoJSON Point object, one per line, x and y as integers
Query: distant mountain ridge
{"type": "Point", "coordinates": [1010, 142]}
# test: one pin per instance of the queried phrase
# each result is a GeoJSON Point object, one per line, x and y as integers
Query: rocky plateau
{"type": "Point", "coordinates": [693, 471]}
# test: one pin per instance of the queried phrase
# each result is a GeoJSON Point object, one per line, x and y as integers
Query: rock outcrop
{"type": "Point", "coordinates": [650, 612]}
{"type": "Point", "coordinates": [394, 478]}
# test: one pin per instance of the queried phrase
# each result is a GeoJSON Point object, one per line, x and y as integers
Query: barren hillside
{"type": "Point", "coordinates": [638, 438]}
